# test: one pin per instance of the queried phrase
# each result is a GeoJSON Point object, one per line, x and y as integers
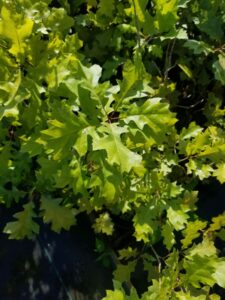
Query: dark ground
{"type": "Point", "coordinates": [52, 267]}
{"type": "Point", "coordinates": [64, 267]}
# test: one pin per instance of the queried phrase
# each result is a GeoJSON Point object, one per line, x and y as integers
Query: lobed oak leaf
{"type": "Point", "coordinates": [117, 152]}
{"type": "Point", "coordinates": [25, 225]}
{"type": "Point", "coordinates": [59, 216]}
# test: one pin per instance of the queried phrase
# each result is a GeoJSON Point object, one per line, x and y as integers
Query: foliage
{"type": "Point", "coordinates": [115, 108]}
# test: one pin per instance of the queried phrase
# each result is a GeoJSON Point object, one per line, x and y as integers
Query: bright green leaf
{"type": "Point", "coordinates": [186, 70]}
{"type": "Point", "coordinates": [177, 218]}
{"type": "Point", "coordinates": [192, 131]}
{"type": "Point", "coordinates": [116, 151]}
{"type": "Point", "coordinates": [219, 274]}
{"type": "Point", "coordinates": [219, 173]}
{"type": "Point", "coordinates": [112, 295]}
{"type": "Point", "coordinates": [191, 232]}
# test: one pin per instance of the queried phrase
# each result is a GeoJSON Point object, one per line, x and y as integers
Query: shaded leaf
{"type": "Point", "coordinates": [123, 271]}
{"type": "Point", "coordinates": [219, 68]}
{"type": "Point", "coordinates": [106, 7]}
{"type": "Point", "coordinates": [199, 270]}
{"type": "Point", "coordinates": [24, 226]}
{"type": "Point", "coordinates": [59, 216]}
{"type": "Point", "coordinates": [152, 113]}
{"type": "Point", "coordinates": [104, 224]}
{"type": "Point", "coordinates": [144, 224]}
{"type": "Point", "coordinates": [168, 236]}
{"type": "Point", "coordinates": [198, 47]}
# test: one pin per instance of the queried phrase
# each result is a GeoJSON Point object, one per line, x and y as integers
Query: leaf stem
{"type": "Point", "coordinates": [157, 258]}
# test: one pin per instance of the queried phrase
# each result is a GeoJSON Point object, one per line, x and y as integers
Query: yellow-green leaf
{"type": "Point", "coordinates": [186, 70]}
{"type": "Point", "coordinates": [104, 224]}
{"type": "Point", "coordinates": [117, 152]}
{"type": "Point", "coordinates": [192, 231]}
{"type": "Point", "coordinates": [219, 173]}
{"type": "Point", "coordinates": [219, 274]}
{"type": "Point", "coordinates": [16, 32]}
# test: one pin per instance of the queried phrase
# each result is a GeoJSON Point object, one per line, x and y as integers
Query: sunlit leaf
{"type": "Point", "coordinates": [177, 218]}
{"type": "Point", "coordinates": [219, 274]}
{"type": "Point", "coordinates": [219, 173]}
{"type": "Point", "coordinates": [16, 33]}
{"type": "Point", "coordinates": [116, 151]}
{"type": "Point", "coordinates": [192, 231]}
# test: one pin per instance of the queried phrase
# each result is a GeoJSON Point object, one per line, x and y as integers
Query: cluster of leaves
{"type": "Point", "coordinates": [115, 108]}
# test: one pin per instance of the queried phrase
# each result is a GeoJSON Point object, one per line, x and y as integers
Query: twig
{"type": "Point", "coordinates": [191, 106]}
{"type": "Point", "coordinates": [137, 27]}
{"type": "Point", "coordinates": [157, 258]}
{"type": "Point", "coordinates": [169, 52]}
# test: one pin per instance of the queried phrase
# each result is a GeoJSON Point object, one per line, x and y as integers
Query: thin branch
{"type": "Point", "coordinates": [169, 53]}
{"type": "Point", "coordinates": [191, 106]}
{"type": "Point", "coordinates": [137, 27]}
{"type": "Point", "coordinates": [157, 258]}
